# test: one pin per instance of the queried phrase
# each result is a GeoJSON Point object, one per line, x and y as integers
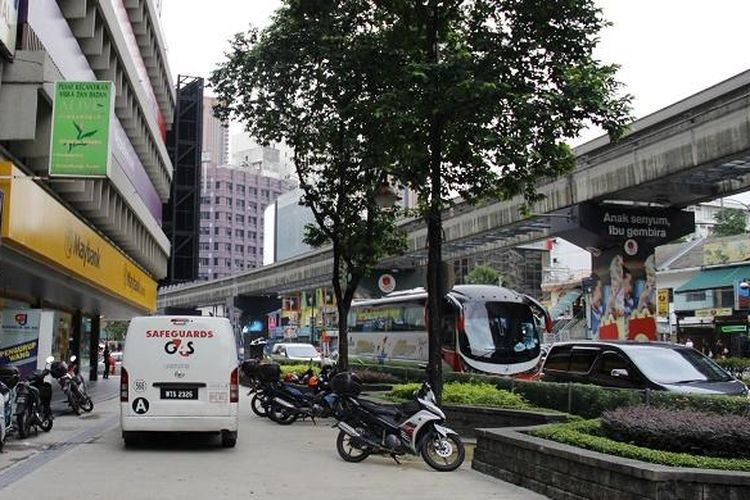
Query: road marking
{"type": "Point", "coordinates": [22, 469]}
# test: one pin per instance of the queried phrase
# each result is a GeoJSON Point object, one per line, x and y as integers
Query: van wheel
{"type": "Point", "coordinates": [228, 439]}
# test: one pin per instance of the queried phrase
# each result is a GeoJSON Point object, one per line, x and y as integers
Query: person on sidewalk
{"type": "Point", "coordinates": [107, 360]}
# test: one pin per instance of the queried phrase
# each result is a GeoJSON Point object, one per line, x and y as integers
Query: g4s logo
{"type": "Point", "coordinates": [176, 346]}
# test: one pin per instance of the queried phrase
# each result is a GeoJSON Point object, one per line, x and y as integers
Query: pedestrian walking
{"type": "Point", "coordinates": [107, 360]}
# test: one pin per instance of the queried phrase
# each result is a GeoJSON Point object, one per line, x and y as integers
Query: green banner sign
{"type": "Point", "coordinates": [734, 329]}
{"type": "Point", "coordinates": [81, 129]}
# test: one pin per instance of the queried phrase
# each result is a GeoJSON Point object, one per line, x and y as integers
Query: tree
{"type": "Point", "coordinates": [730, 221]}
{"type": "Point", "coordinates": [116, 330]}
{"type": "Point", "coordinates": [482, 97]}
{"type": "Point", "coordinates": [307, 80]}
{"type": "Point", "coordinates": [483, 275]}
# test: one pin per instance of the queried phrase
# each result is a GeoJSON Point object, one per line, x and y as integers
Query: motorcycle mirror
{"type": "Point", "coordinates": [50, 359]}
{"type": "Point", "coordinates": [73, 358]}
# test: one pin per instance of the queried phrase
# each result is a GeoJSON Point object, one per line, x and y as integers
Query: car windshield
{"type": "Point", "coordinates": [301, 351]}
{"type": "Point", "coordinates": [499, 332]}
{"type": "Point", "coordinates": [675, 366]}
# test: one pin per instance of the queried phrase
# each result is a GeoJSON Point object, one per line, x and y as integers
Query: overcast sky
{"type": "Point", "coordinates": [668, 49]}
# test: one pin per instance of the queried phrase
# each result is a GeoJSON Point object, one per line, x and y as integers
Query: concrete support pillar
{"type": "Point", "coordinates": [76, 329]}
{"type": "Point", "coordinates": [94, 346]}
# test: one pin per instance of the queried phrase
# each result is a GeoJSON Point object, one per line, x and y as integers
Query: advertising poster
{"type": "Point", "coordinates": [81, 128]}
{"type": "Point", "coordinates": [741, 295]}
{"type": "Point", "coordinates": [19, 339]}
{"type": "Point", "coordinates": [8, 26]}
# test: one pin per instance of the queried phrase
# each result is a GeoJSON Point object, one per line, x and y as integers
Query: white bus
{"type": "Point", "coordinates": [485, 328]}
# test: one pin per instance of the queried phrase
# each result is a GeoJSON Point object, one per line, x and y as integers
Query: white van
{"type": "Point", "coordinates": [179, 374]}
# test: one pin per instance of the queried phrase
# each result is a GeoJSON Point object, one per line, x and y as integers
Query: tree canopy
{"type": "Point", "coordinates": [483, 275]}
{"type": "Point", "coordinates": [730, 221]}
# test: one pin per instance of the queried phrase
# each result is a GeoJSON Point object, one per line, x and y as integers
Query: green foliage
{"type": "Point", "coordinates": [483, 275]}
{"type": "Point", "coordinates": [115, 330]}
{"type": "Point", "coordinates": [722, 405]}
{"type": "Point", "coordinates": [375, 377]}
{"type": "Point", "coordinates": [298, 369]}
{"type": "Point", "coordinates": [588, 435]}
{"type": "Point", "coordinates": [730, 221]}
{"type": "Point", "coordinates": [477, 394]}
{"type": "Point", "coordinates": [735, 366]}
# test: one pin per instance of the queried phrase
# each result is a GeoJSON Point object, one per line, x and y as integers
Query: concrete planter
{"type": "Point", "coordinates": [565, 472]}
{"type": "Point", "coordinates": [467, 419]}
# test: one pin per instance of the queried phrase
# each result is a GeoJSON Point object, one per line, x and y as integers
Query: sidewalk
{"type": "Point", "coordinates": [100, 390]}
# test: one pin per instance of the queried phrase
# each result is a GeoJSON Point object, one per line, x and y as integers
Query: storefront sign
{"type": "Point", "coordinates": [662, 302]}
{"type": "Point", "coordinates": [8, 26]}
{"type": "Point", "coordinates": [733, 329]}
{"type": "Point", "coordinates": [723, 311]}
{"type": "Point", "coordinates": [81, 128]}
{"type": "Point", "coordinates": [386, 283]}
{"type": "Point", "coordinates": [40, 225]}
{"type": "Point", "coordinates": [742, 295]}
{"type": "Point", "coordinates": [19, 338]}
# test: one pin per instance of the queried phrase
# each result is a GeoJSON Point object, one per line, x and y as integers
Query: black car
{"type": "Point", "coordinates": [639, 365]}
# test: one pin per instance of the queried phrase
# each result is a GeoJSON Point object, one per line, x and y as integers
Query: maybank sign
{"type": "Point", "coordinates": [36, 223]}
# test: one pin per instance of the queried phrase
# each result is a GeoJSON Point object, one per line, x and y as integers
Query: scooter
{"type": "Point", "coordinates": [367, 428]}
{"type": "Point", "coordinates": [72, 385]}
{"type": "Point", "coordinates": [33, 404]}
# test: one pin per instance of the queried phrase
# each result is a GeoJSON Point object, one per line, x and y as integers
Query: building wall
{"type": "Point", "coordinates": [232, 204]}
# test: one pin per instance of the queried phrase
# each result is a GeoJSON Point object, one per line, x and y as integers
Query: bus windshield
{"type": "Point", "coordinates": [499, 332]}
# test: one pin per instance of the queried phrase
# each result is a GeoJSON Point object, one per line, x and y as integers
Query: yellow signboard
{"type": "Point", "coordinates": [662, 302]}
{"type": "Point", "coordinates": [715, 311]}
{"type": "Point", "coordinates": [42, 226]}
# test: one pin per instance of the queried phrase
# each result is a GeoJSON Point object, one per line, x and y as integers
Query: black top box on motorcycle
{"type": "Point", "coordinates": [269, 372]}
{"type": "Point", "coordinates": [250, 368]}
{"type": "Point", "coordinates": [58, 369]}
{"type": "Point", "coordinates": [9, 376]}
{"type": "Point", "coordinates": [346, 384]}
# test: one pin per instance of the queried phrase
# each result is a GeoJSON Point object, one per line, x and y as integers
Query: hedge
{"type": "Point", "coordinates": [586, 435]}
{"type": "Point", "coordinates": [682, 431]}
{"type": "Point", "coordinates": [735, 366]}
{"type": "Point", "coordinates": [589, 401]}
{"type": "Point", "coordinates": [467, 394]}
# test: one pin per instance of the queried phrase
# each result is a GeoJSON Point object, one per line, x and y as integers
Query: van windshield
{"type": "Point", "coordinates": [676, 366]}
{"type": "Point", "coordinates": [499, 332]}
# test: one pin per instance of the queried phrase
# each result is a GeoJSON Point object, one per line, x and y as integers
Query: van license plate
{"type": "Point", "coordinates": [179, 393]}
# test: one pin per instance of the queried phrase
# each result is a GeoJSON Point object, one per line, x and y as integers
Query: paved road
{"type": "Point", "coordinates": [270, 461]}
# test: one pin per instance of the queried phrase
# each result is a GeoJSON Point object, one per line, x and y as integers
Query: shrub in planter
{"type": "Point", "coordinates": [472, 394]}
{"type": "Point", "coordinates": [724, 405]}
{"type": "Point", "coordinates": [374, 377]}
{"type": "Point", "coordinates": [735, 366]}
{"type": "Point", "coordinates": [683, 431]}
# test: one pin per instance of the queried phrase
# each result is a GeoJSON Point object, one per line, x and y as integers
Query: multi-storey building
{"type": "Point", "coordinates": [91, 244]}
{"type": "Point", "coordinates": [233, 200]}
{"type": "Point", "coordinates": [215, 136]}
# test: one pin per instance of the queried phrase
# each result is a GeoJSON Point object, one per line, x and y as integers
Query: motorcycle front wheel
{"type": "Point", "coordinates": [443, 453]}
{"type": "Point", "coordinates": [86, 404]}
{"type": "Point", "coordinates": [47, 422]}
{"type": "Point", "coordinates": [73, 402]}
{"type": "Point", "coordinates": [350, 449]}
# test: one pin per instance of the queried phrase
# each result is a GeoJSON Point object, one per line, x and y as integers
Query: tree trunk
{"type": "Point", "coordinates": [343, 310]}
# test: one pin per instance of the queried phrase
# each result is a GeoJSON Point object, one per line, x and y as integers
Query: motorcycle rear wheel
{"type": "Point", "coordinates": [256, 404]}
{"type": "Point", "coordinates": [47, 422]}
{"type": "Point", "coordinates": [349, 449]}
{"type": "Point", "coordinates": [444, 454]}
{"type": "Point", "coordinates": [86, 404]}
{"type": "Point", "coordinates": [280, 415]}
{"type": "Point", "coordinates": [23, 422]}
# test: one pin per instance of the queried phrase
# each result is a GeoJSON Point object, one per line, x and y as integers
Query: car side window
{"type": "Point", "coordinates": [582, 359]}
{"type": "Point", "coordinates": [558, 359]}
{"type": "Point", "coordinates": [612, 361]}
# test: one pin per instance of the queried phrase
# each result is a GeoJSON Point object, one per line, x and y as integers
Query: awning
{"type": "Point", "coordinates": [708, 279]}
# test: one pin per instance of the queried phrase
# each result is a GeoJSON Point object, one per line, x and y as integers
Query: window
{"type": "Point", "coordinates": [252, 190]}
{"type": "Point", "coordinates": [252, 235]}
{"type": "Point", "coordinates": [229, 231]}
{"type": "Point", "coordinates": [724, 298]}
{"type": "Point", "coordinates": [240, 233]}
{"type": "Point", "coordinates": [611, 361]}
{"type": "Point", "coordinates": [216, 246]}
{"type": "Point", "coordinates": [695, 296]}
{"type": "Point", "coordinates": [216, 231]}
{"type": "Point", "coordinates": [205, 231]}
{"type": "Point", "coordinates": [218, 184]}
{"type": "Point", "coordinates": [252, 220]}
{"type": "Point", "coordinates": [240, 204]}
{"type": "Point", "coordinates": [205, 215]}
{"type": "Point", "coordinates": [205, 246]}
{"type": "Point", "coordinates": [239, 264]}
{"type": "Point", "coordinates": [216, 276]}
{"type": "Point", "coordinates": [204, 262]}
{"type": "Point", "coordinates": [216, 262]}
{"type": "Point", "coordinates": [228, 263]}
{"type": "Point", "coordinates": [216, 215]}
{"type": "Point", "coordinates": [229, 201]}
{"type": "Point", "coordinates": [250, 249]}
{"type": "Point", "coordinates": [240, 219]}
{"type": "Point", "coordinates": [228, 247]}
{"type": "Point", "coordinates": [240, 189]}
{"type": "Point", "coordinates": [264, 193]}
{"type": "Point", "coordinates": [239, 248]}
{"type": "Point", "coordinates": [230, 186]}
{"type": "Point", "coordinates": [582, 359]}
{"type": "Point", "coordinates": [217, 200]}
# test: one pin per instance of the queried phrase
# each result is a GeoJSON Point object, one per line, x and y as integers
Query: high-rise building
{"type": "Point", "coordinates": [91, 244]}
{"type": "Point", "coordinates": [276, 158]}
{"type": "Point", "coordinates": [233, 200]}
{"type": "Point", "coordinates": [215, 135]}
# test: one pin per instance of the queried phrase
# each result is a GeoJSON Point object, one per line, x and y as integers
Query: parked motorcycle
{"type": "Point", "coordinates": [9, 378]}
{"type": "Point", "coordinates": [72, 385]}
{"type": "Point", "coordinates": [33, 404]}
{"type": "Point", "coordinates": [367, 428]}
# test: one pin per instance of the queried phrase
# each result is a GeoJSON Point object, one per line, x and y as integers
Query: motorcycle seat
{"type": "Point", "coordinates": [381, 409]}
